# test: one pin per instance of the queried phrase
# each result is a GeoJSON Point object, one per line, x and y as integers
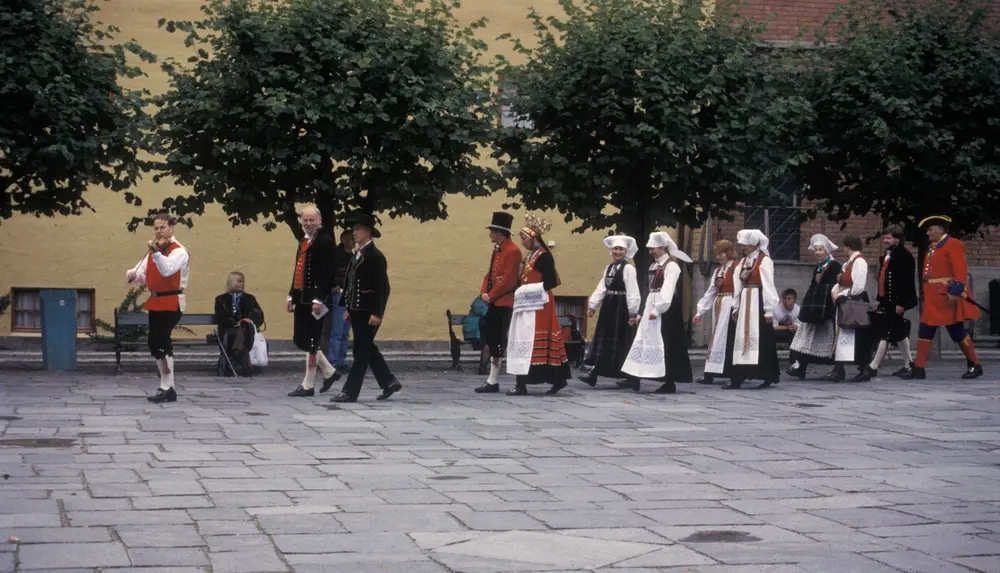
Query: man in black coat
{"type": "Point", "coordinates": [312, 283]}
{"type": "Point", "coordinates": [897, 293]}
{"type": "Point", "coordinates": [238, 316]}
{"type": "Point", "coordinates": [366, 295]}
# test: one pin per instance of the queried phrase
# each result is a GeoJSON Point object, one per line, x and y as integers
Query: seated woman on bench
{"type": "Point", "coordinates": [236, 315]}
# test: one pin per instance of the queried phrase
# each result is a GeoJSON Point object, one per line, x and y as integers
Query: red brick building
{"type": "Point", "coordinates": [790, 238]}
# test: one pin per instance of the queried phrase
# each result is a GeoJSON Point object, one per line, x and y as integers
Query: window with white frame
{"type": "Point", "coordinates": [508, 116]}
{"type": "Point", "coordinates": [26, 310]}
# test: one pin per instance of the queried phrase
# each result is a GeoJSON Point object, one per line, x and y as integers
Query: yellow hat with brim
{"type": "Point", "coordinates": [935, 220]}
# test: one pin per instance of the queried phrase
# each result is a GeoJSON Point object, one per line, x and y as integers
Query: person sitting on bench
{"type": "Point", "coordinates": [237, 314]}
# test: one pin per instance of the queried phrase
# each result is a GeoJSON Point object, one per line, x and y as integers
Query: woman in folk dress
{"type": "Point", "coordinates": [617, 295]}
{"type": "Point", "coordinates": [719, 300]}
{"type": "Point", "coordinates": [853, 346]}
{"type": "Point", "coordinates": [660, 349]}
{"type": "Point", "coordinates": [536, 352]}
{"type": "Point", "coordinates": [814, 340]}
{"type": "Point", "coordinates": [752, 351]}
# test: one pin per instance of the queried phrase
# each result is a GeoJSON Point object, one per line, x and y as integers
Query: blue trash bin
{"type": "Point", "coordinates": [58, 329]}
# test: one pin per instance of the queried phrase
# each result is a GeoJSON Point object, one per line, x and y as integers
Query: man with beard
{"type": "Point", "coordinates": [897, 293]}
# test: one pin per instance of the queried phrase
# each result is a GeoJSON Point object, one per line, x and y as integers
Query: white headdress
{"type": "Point", "coordinates": [623, 241]}
{"type": "Point", "coordinates": [822, 241]}
{"type": "Point", "coordinates": [661, 239]}
{"type": "Point", "coordinates": [753, 238]}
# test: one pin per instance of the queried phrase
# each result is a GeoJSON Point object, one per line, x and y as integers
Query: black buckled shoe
{"type": "Point", "coordinates": [799, 372]}
{"type": "Point", "coordinates": [915, 373]}
{"type": "Point", "coordinates": [732, 384]}
{"type": "Point", "coordinates": [343, 399]}
{"type": "Point", "coordinates": [518, 391]}
{"type": "Point", "coordinates": [488, 388]}
{"type": "Point", "coordinates": [766, 384]}
{"type": "Point", "coordinates": [590, 379]}
{"type": "Point", "coordinates": [391, 389]}
{"type": "Point", "coordinates": [328, 382]}
{"type": "Point", "coordinates": [904, 371]}
{"type": "Point", "coordinates": [706, 379]}
{"type": "Point", "coordinates": [161, 396]}
{"type": "Point", "coordinates": [300, 392]}
{"type": "Point", "coordinates": [974, 371]}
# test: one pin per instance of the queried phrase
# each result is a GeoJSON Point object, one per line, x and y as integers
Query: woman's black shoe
{"type": "Point", "coordinates": [865, 375]}
{"type": "Point", "coordinates": [556, 387]}
{"type": "Point", "coordinates": [666, 388]}
{"type": "Point", "coordinates": [163, 396]}
{"type": "Point", "coordinates": [518, 391]}
{"type": "Point", "coordinates": [837, 374]}
{"type": "Point", "coordinates": [732, 385]}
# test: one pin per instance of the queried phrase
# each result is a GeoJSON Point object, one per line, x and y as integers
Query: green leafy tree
{"type": "Point", "coordinates": [67, 123]}
{"type": "Point", "coordinates": [636, 114]}
{"type": "Point", "coordinates": [907, 110]}
{"type": "Point", "coordinates": [349, 104]}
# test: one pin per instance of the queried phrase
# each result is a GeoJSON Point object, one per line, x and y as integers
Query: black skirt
{"type": "Point", "coordinates": [767, 368]}
{"type": "Point", "coordinates": [675, 342]}
{"type": "Point", "coordinates": [612, 338]}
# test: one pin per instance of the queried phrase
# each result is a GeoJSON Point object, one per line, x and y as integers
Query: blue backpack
{"type": "Point", "coordinates": [473, 323]}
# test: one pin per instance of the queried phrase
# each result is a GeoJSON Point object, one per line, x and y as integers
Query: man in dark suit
{"type": "Point", "coordinates": [312, 283]}
{"type": "Point", "coordinates": [366, 295]}
{"type": "Point", "coordinates": [897, 293]}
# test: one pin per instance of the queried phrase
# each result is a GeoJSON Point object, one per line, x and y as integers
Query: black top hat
{"type": "Point", "coordinates": [501, 222]}
{"type": "Point", "coordinates": [365, 220]}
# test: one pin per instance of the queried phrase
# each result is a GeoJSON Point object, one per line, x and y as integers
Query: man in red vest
{"type": "Point", "coordinates": [165, 272]}
{"type": "Point", "coordinates": [497, 291]}
{"type": "Point", "coordinates": [946, 297]}
{"type": "Point", "coordinates": [310, 299]}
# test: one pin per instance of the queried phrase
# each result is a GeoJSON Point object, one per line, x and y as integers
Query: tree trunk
{"type": "Point", "coordinates": [291, 218]}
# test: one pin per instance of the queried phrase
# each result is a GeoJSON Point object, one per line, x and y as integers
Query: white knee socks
{"type": "Point", "coordinates": [904, 349]}
{"type": "Point", "coordinates": [168, 377]}
{"type": "Point", "coordinates": [325, 368]}
{"type": "Point", "coordinates": [307, 381]}
{"type": "Point", "coordinates": [494, 372]}
{"type": "Point", "coordinates": [160, 363]}
{"type": "Point", "coordinates": [883, 348]}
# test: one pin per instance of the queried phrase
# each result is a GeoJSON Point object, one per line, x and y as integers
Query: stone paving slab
{"type": "Point", "coordinates": [890, 476]}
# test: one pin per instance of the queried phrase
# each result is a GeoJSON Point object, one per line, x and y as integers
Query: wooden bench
{"type": "Point", "coordinates": [575, 347]}
{"type": "Point", "coordinates": [126, 321]}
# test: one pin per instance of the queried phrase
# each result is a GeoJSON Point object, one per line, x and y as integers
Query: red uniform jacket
{"type": "Point", "coordinates": [501, 280]}
{"type": "Point", "coordinates": [945, 272]}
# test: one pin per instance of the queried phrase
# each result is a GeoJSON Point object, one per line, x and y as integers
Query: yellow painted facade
{"type": "Point", "coordinates": [433, 266]}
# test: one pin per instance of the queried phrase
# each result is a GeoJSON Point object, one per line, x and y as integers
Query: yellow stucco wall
{"type": "Point", "coordinates": [432, 266]}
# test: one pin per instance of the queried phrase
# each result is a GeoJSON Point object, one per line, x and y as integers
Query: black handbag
{"type": "Point", "coordinates": [853, 313]}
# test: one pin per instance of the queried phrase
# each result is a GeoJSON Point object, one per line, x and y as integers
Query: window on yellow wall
{"type": "Point", "coordinates": [26, 310]}
{"type": "Point", "coordinates": [508, 116]}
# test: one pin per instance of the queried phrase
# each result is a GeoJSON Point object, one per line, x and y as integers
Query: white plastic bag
{"type": "Point", "coordinates": [258, 353]}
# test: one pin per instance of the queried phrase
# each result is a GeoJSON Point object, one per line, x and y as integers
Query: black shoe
{"type": "Point", "coordinates": [343, 398]}
{"type": "Point", "coordinates": [866, 374]}
{"type": "Point", "coordinates": [488, 388]}
{"type": "Point", "coordinates": [518, 391]}
{"type": "Point", "coordinates": [391, 389]}
{"type": "Point", "coordinates": [732, 385]}
{"type": "Point", "coordinates": [163, 396]}
{"type": "Point", "coordinates": [904, 371]}
{"type": "Point", "coordinates": [766, 384]}
{"type": "Point", "coordinates": [706, 379]}
{"type": "Point", "coordinates": [916, 373]}
{"type": "Point", "coordinates": [328, 382]}
{"type": "Point", "coordinates": [973, 372]}
{"type": "Point", "coordinates": [799, 372]}
{"type": "Point", "coordinates": [836, 375]}
{"type": "Point", "coordinates": [632, 384]}
{"type": "Point", "coordinates": [588, 379]}
{"type": "Point", "coordinates": [301, 392]}
{"type": "Point", "coordinates": [557, 387]}
{"type": "Point", "coordinates": [666, 388]}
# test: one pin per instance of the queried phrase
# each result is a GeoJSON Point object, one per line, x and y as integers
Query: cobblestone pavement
{"type": "Point", "coordinates": [236, 477]}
